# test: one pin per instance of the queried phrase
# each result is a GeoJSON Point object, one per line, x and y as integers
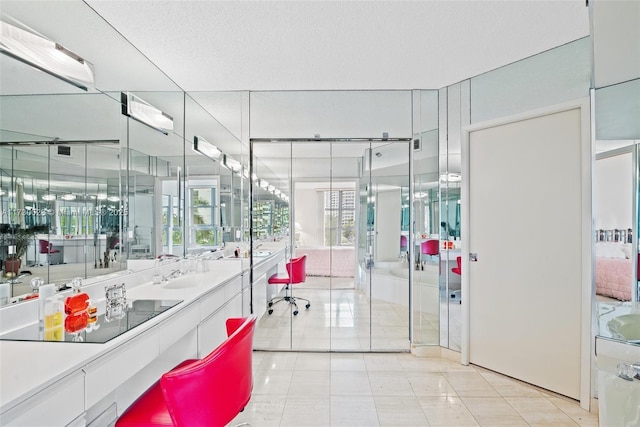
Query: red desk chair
{"type": "Point", "coordinates": [297, 273]}
{"type": "Point", "coordinates": [207, 392]}
{"type": "Point", "coordinates": [458, 269]}
{"type": "Point", "coordinates": [430, 247]}
{"type": "Point", "coordinates": [47, 249]}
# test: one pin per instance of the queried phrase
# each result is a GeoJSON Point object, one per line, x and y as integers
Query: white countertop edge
{"type": "Point", "coordinates": [48, 362]}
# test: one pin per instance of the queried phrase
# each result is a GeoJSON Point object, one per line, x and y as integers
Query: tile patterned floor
{"type": "Point", "coordinates": [341, 318]}
{"type": "Point", "coordinates": [395, 389]}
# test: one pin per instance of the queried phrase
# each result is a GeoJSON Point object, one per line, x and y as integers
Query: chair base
{"type": "Point", "coordinates": [291, 300]}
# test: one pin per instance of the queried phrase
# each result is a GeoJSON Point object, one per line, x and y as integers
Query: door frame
{"type": "Point", "coordinates": [587, 301]}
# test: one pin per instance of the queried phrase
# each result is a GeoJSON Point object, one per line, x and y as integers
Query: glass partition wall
{"type": "Point", "coordinates": [334, 203]}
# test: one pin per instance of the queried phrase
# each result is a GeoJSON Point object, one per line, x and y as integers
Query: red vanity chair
{"type": "Point", "coordinates": [47, 249]}
{"type": "Point", "coordinates": [430, 247]}
{"type": "Point", "coordinates": [201, 392]}
{"type": "Point", "coordinates": [297, 273]}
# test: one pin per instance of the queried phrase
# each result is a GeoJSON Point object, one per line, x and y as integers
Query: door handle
{"type": "Point", "coordinates": [473, 257]}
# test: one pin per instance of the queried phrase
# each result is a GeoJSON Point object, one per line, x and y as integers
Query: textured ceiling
{"type": "Point", "coordinates": [294, 45]}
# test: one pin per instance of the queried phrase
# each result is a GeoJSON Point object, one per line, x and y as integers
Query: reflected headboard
{"type": "Point", "coordinates": [615, 235]}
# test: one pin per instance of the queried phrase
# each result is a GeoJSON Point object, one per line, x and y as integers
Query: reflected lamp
{"type": "Point", "coordinates": [204, 147]}
{"type": "Point", "coordinates": [46, 55]}
{"type": "Point", "coordinates": [231, 164]}
{"type": "Point", "coordinates": [135, 107]}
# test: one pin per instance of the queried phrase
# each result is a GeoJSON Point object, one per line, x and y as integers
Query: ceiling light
{"type": "Point", "coordinates": [450, 177]}
{"type": "Point", "coordinates": [204, 147]}
{"type": "Point", "coordinates": [277, 192]}
{"type": "Point", "coordinates": [263, 184]}
{"type": "Point", "coordinates": [270, 188]}
{"type": "Point", "coordinates": [2, 193]}
{"type": "Point", "coordinates": [245, 172]}
{"type": "Point", "coordinates": [49, 197]}
{"type": "Point", "coordinates": [113, 198]}
{"type": "Point", "coordinates": [101, 196]}
{"type": "Point", "coordinates": [68, 197]}
{"type": "Point", "coordinates": [140, 110]}
{"type": "Point", "coordinates": [29, 197]}
{"type": "Point", "coordinates": [232, 164]}
{"type": "Point", "coordinates": [45, 55]}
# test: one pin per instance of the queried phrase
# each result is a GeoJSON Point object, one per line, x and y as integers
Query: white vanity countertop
{"type": "Point", "coordinates": [28, 367]}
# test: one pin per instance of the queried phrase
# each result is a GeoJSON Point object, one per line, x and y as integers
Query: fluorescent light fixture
{"type": "Point", "coordinates": [2, 192]}
{"type": "Point", "coordinates": [277, 192]}
{"type": "Point", "coordinates": [270, 188]}
{"type": "Point", "coordinates": [136, 108]}
{"type": "Point", "coordinates": [263, 184]}
{"type": "Point", "coordinates": [29, 197]}
{"type": "Point", "coordinates": [204, 147]}
{"type": "Point", "coordinates": [113, 198]}
{"type": "Point", "coordinates": [254, 177]}
{"type": "Point", "coordinates": [450, 177]}
{"type": "Point", "coordinates": [45, 55]}
{"type": "Point", "coordinates": [101, 196]}
{"type": "Point", "coordinates": [245, 172]}
{"type": "Point", "coordinates": [232, 164]}
{"type": "Point", "coordinates": [68, 197]}
{"type": "Point", "coordinates": [49, 197]}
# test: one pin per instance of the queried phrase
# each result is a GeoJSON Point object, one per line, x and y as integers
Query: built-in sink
{"type": "Point", "coordinates": [181, 283]}
{"type": "Point", "coordinates": [262, 253]}
{"type": "Point", "coordinates": [625, 327]}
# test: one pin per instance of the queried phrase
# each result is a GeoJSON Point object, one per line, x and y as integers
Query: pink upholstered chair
{"type": "Point", "coordinates": [206, 392]}
{"type": "Point", "coordinates": [296, 273]}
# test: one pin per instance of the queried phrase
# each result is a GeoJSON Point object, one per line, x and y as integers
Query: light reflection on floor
{"type": "Point", "coordinates": [340, 319]}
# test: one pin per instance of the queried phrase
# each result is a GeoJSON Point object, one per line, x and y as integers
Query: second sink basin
{"type": "Point", "coordinates": [181, 283]}
{"type": "Point", "coordinates": [626, 326]}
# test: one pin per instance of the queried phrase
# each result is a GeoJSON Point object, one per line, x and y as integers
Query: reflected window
{"type": "Point", "coordinates": [203, 215]}
{"type": "Point", "coordinates": [339, 218]}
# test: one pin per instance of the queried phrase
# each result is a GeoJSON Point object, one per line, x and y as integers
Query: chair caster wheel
{"type": "Point", "coordinates": [295, 313]}
{"type": "Point", "coordinates": [270, 304]}
{"type": "Point", "coordinates": [270, 311]}
{"type": "Point", "coordinates": [307, 306]}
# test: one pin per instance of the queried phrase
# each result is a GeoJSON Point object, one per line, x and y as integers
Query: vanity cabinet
{"type": "Point", "coordinates": [57, 405]}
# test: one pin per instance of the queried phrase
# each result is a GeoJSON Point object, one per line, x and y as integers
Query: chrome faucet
{"type": "Point", "coordinates": [16, 279]}
{"type": "Point", "coordinates": [173, 274]}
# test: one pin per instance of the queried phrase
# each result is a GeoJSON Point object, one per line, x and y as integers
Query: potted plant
{"type": "Point", "coordinates": [19, 240]}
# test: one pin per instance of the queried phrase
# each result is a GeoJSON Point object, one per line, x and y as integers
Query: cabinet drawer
{"type": "Point", "coordinates": [178, 326]}
{"type": "Point", "coordinates": [56, 405]}
{"type": "Point", "coordinates": [232, 288]}
{"type": "Point", "coordinates": [111, 370]}
{"type": "Point", "coordinates": [211, 302]}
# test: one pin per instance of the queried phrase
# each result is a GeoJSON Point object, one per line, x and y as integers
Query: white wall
{"type": "Point", "coordinates": [308, 215]}
{"type": "Point", "coordinates": [332, 114]}
{"type": "Point", "coordinates": [613, 192]}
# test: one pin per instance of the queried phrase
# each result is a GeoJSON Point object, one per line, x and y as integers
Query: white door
{"type": "Point", "coordinates": [525, 225]}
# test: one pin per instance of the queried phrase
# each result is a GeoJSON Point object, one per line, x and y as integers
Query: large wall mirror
{"type": "Point", "coordinates": [615, 193]}
{"type": "Point", "coordinates": [79, 180]}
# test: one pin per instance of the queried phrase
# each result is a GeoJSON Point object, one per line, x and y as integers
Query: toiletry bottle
{"type": "Point", "coordinates": [54, 319]}
{"type": "Point", "coordinates": [78, 301]}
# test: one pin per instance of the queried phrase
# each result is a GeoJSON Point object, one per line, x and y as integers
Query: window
{"type": "Point", "coordinates": [203, 215]}
{"type": "Point", "coordinates": [339, 218]}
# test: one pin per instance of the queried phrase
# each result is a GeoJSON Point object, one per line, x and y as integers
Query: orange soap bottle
{"type": "Point", "coordinates": [79, 301]}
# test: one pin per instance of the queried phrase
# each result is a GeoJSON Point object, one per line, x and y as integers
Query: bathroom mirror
{"type": "Point", "coordinates": [615, 193]}
{"type": "Point", "coordinates": [76, 142]}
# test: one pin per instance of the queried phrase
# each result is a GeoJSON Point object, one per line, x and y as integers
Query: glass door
{"type": "Point", "coordinates": [355, 292]}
